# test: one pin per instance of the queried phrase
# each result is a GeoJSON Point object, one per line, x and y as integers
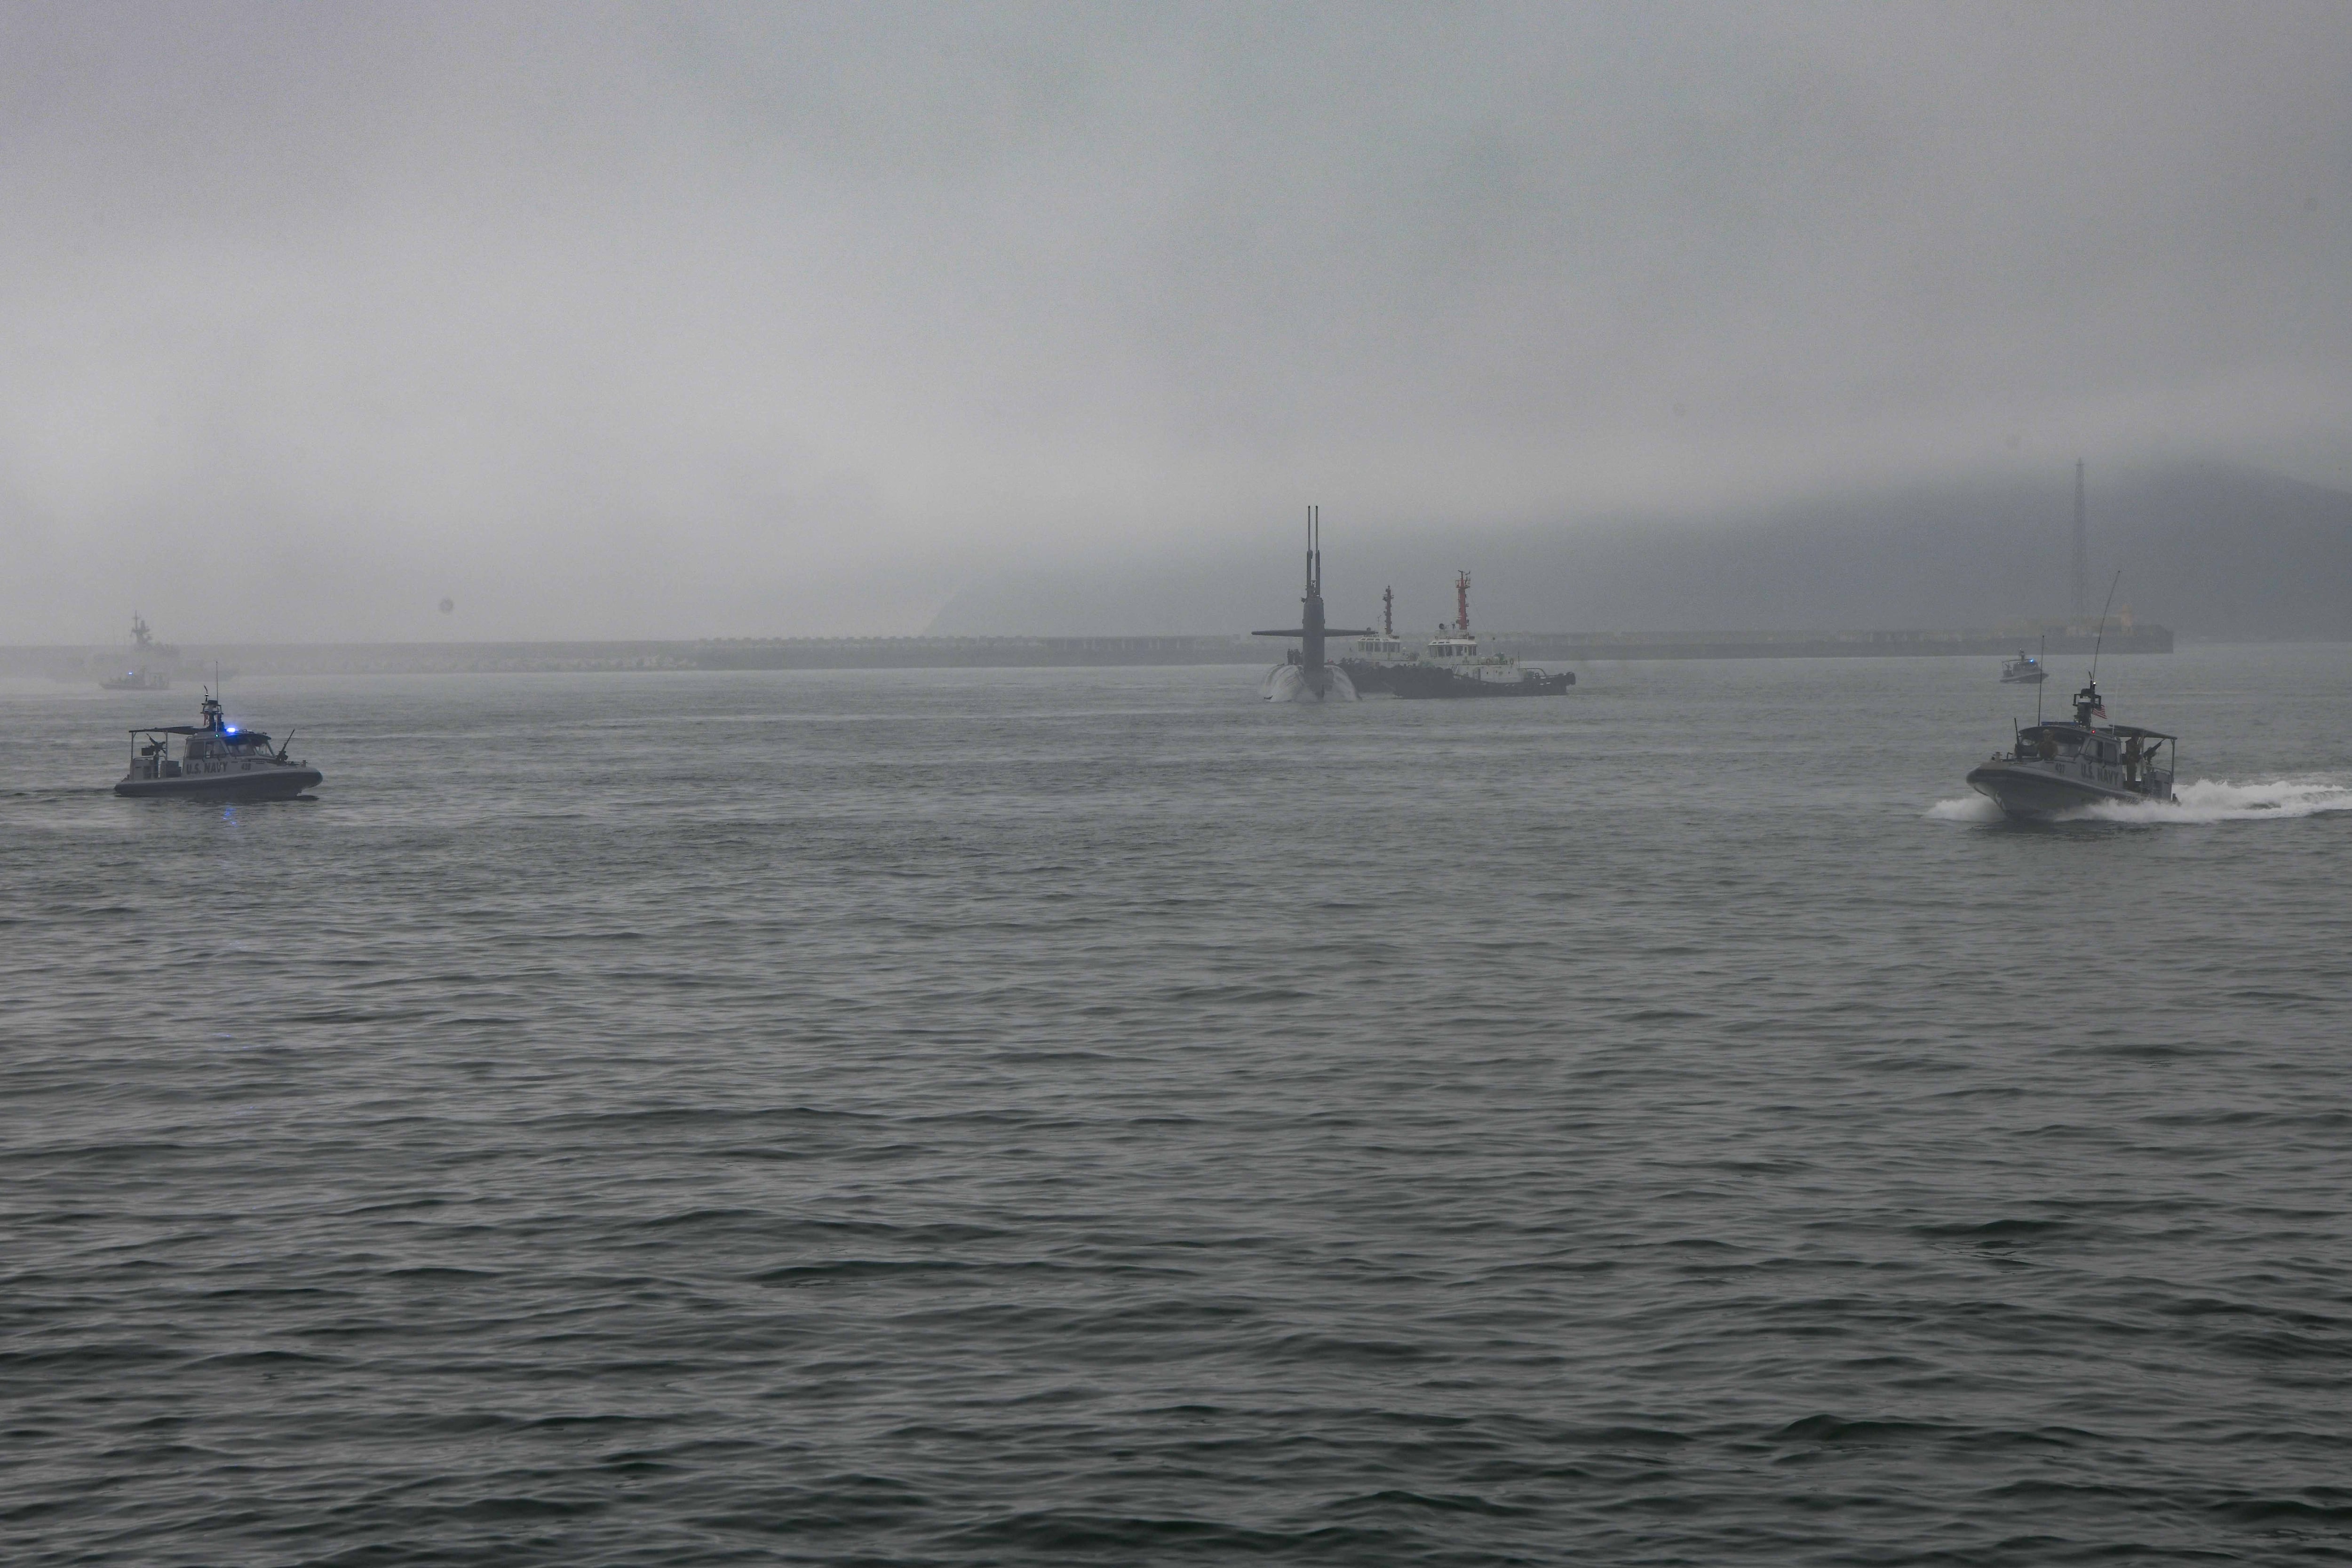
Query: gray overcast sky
{"type": "Point", "coordinates": [609, 320]}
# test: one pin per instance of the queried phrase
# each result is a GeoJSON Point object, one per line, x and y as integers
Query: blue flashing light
{"type": "Point", "coordinates": [232, 730]}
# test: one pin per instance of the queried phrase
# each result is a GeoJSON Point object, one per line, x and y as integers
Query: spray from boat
{"type": "Point", "coordinates": [1289, 683]}
{"type": "Point", "coordinates": [2208, 800]}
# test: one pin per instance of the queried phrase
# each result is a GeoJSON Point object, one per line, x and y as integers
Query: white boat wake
{"type": "Point", "coordinates": [1289, 684]}
{"type": "Point", "coordinates": [2206, 800]}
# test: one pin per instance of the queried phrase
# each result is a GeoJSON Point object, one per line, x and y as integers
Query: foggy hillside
{"type": "Point", "coordinates": [2207, 549]}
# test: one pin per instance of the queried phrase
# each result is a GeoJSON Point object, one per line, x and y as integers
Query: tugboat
{"type": "Point", "coordinates": [1454, 666]}
{"type": "Point", "coordinates": [219, 762]}
{"type": "Point", "coordinates": [145, 675]}
{"type": "Point", "coordinates": [2023, 670]}
{"type": "Point", "coordinates": [2055, 767]}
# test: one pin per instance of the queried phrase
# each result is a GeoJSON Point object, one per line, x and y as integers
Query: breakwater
{"type": "Point", "coordinates": [2143, 638]}
{"type": "Point", "coordinates": [197, 660]}
{"type": "Point", "coordinates": [938, 652]}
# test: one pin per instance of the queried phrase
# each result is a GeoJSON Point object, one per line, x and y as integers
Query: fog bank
{"type": "Point", "coordinates": [633, 321]}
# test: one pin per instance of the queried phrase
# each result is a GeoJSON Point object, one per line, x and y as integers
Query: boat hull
{"type": "Point", "coordinates": [261, 784]}
{"type": "Point", "coordinates": [1430, 681]}
{"type": "Point", "coordinates": [2036, 794]}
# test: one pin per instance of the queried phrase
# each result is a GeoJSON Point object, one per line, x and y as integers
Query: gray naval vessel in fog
{"type": "Point", "coordinates": [151, 663]}
{"type": "Point", "coordinates": [218, 761]}
{"type": "Point", "coordinates": [2059, 767]}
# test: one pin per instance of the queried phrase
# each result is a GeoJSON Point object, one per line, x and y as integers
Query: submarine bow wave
{"type": "Point", "coordinates": [1289, 683]}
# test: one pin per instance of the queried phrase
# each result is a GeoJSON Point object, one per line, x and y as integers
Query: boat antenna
{"type": "Point", "coordinates": [2102, 635]}
{"type": "Point", "coordinates": [2044, 662]}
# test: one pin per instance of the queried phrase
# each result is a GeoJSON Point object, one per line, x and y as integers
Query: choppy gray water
{"type": "Point", "coordinates": [1101, 1117]}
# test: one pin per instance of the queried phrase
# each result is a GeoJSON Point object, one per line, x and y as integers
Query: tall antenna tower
{"type": "Point", "coordinates": [2082, 546]}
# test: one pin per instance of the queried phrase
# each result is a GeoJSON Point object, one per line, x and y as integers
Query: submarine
{"type": "Point", "coordinates": [1308, 674]}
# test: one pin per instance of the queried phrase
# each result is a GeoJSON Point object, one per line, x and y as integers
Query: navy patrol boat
{"type": "Point", "coordinates": [2059, 767]}
{"type": "Point", "coordinates": [2025, 670]}
{"type": "Point", "coordinates": [218, 761]}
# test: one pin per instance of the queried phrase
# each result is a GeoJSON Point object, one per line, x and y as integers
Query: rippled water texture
{"type": "Point", "coordinates": [1107, 1117]}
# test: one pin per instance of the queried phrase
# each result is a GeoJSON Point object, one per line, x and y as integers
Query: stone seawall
{"type": "Point", "coordinates": [196, 661]}
{"type": "Point", "coordinates": [2139, 639]}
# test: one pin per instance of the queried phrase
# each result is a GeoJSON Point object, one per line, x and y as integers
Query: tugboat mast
{"type": "Point", "coordinates": [1462, 602]}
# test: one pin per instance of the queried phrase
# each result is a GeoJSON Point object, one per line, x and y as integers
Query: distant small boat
{"type": "Point", "coordinates": [2025, 670]}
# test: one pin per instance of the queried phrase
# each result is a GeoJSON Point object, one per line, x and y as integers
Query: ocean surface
{"type": "Point", "coordinates": [1101, 1117]}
